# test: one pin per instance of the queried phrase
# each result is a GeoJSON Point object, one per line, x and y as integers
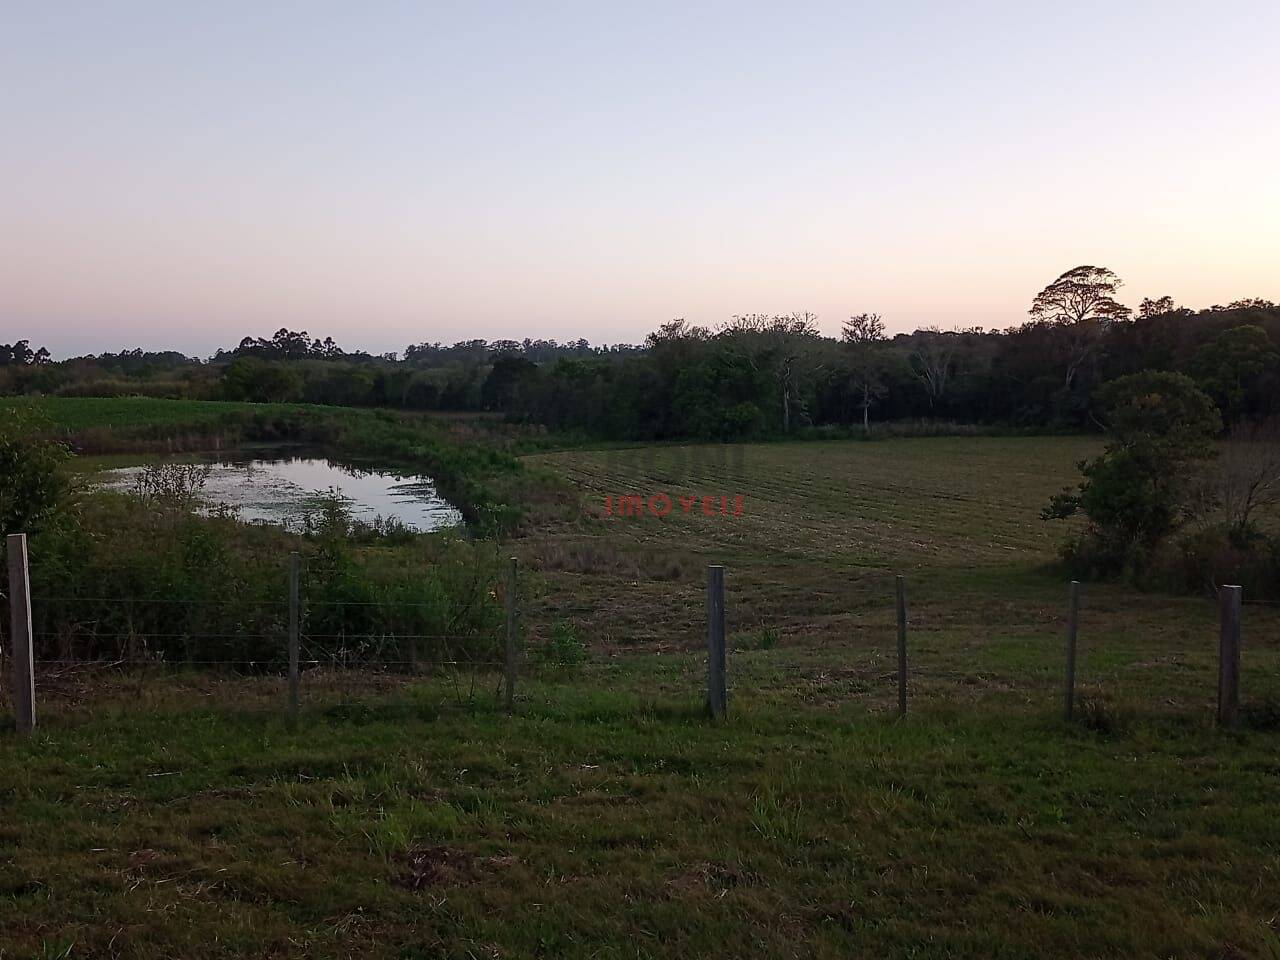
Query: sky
{"type": "Point", "coordinates": [179, 175]}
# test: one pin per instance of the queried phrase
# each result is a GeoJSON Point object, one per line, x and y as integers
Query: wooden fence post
{"type": "Point", "coordinates": [295, 576]}
{"type": "Point", "coordinates": [1073, 623]}
{"type": "Point", "coordinates": [24, 677]}
{"type": "Point", "coordinates": [717, 694]}
{"type": "Point", "coordinates": [513, 613]}
{"type": "Point", "coordinates": [902, 645]}
{"type": "Point", "coordinates": [1229, 601]}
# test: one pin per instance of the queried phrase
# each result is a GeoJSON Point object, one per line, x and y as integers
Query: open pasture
{"type": "Point", "coordinates": [893, 504]}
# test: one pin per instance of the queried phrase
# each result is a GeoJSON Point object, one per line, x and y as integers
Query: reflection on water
{"type": "Point", "coordinates": [282, 491]}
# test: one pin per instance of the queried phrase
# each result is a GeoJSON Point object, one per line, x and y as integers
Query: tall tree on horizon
{"type": "Point", "coordinates": [1079, 307]}
{"type": "Point", "coordinates": [783, 343]}
{"type": "Point", "coordinates": [863, 335]}
{"type": "Point", "coordinates": [1156, 308]}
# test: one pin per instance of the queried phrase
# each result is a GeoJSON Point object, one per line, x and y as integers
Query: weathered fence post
{"type": "Point", "coordinates": [24, 677]}
{"type": "Point", "coordinates": [717, 695]}
{"type": "Point", "coordinates": [1073, 622]}
{"type": "Point", "coordinates": [295, 576]}
{"type": "Point", "coordinates": [513, 613]}
{"type": "Point", "coordinates": [1229, 601]}
{"type": "Point", "coordinates": [902, 645]}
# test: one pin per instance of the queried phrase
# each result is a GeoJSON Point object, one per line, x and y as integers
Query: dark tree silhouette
{"type": "Point", "coordinates": [864, 336]}
{"type": "Point", "coordinates": [1078, 307]}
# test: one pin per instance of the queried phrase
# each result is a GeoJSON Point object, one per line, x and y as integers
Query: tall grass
{"type": "Point", "coordinates": [144, 577]}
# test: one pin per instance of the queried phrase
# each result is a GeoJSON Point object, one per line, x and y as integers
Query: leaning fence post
{"type": "Point", "coordinates": [902, 645]}
{"type": "Point", "coordinates": [295, 699]}
{"type": "Point", "coordinates": [24, 677]}
{"type": "Point", "coordinates": [513, 612]}
{"type": "Point", "coordinates": [1073, 621]}
{"type": "Point", "coordinates": [1229, 601]}
{"type": "Point", "coordinates": [717, 695]}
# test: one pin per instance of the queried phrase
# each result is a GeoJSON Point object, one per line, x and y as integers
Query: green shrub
{"type": "Point", "coordinates": [561, 651]}
{"type": "Point", "coordinates": [132, 577]}
{"type": "Point", "coordinates": [1262, 714]}
{"type": "Point", "coordinates": [1201, 560]}
{"type": "Point", "coordinates": [1108, 719]}
{"type": "Point", "coordinates": [32, 482]}
{"type": "Point", "coordinates": [765, 638]}
{"type": "Point", "coordinates": [1143, 487]}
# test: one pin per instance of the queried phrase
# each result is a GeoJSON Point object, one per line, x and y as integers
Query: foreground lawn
{"type": "Point", "coordinates": [406, 823]}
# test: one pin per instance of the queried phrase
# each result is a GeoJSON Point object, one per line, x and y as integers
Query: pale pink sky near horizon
{"type": "Point", "coordinates": [178, 177]}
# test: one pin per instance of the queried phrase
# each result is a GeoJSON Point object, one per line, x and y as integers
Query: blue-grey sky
{"type": "Point", "coordinates": [181, 175]}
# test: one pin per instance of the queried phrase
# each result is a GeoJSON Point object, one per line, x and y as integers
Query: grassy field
{"type": "Point", "coordinates": [80, 413]}
{"type": "Point", "coordinates": [823, 529]}
{"type": "Point", "coordinates": [896, 503]}
{"type": "Point", "coordinates": [608, 818]}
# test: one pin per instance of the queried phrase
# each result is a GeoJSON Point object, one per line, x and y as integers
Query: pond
{"type": "Point", "coordinates": [283, 489]}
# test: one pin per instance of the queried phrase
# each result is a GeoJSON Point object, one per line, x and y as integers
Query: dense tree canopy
{"type": "Point", "coordinates": [31, 485]}
{"type": "Point", "coordinates": [19, 353]}
{"type": "Point", "coordinates": [754, 375]}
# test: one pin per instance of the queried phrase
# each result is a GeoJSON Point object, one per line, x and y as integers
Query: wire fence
{"type": "Point", "coordinates": [886, 651]}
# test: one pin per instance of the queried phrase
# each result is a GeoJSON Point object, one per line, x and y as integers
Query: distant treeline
{"type": "Point", "coordinates": [755, 375]}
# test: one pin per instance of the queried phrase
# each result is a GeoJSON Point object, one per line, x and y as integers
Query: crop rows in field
{"type": "Point", "coordinates": [935, 501]}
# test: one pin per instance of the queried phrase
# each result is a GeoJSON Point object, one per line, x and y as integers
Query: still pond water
{"type": "Point", "coordinates": [282, 490]}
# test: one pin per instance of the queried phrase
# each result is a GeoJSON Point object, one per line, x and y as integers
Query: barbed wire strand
{"type": "Point", "coordinates": [265, 662]}
{"type": "Point", "coordinates": [266, 603]}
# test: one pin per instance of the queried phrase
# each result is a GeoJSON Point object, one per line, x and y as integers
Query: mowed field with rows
{"type": "Point", "coordinates": [890, 504]}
